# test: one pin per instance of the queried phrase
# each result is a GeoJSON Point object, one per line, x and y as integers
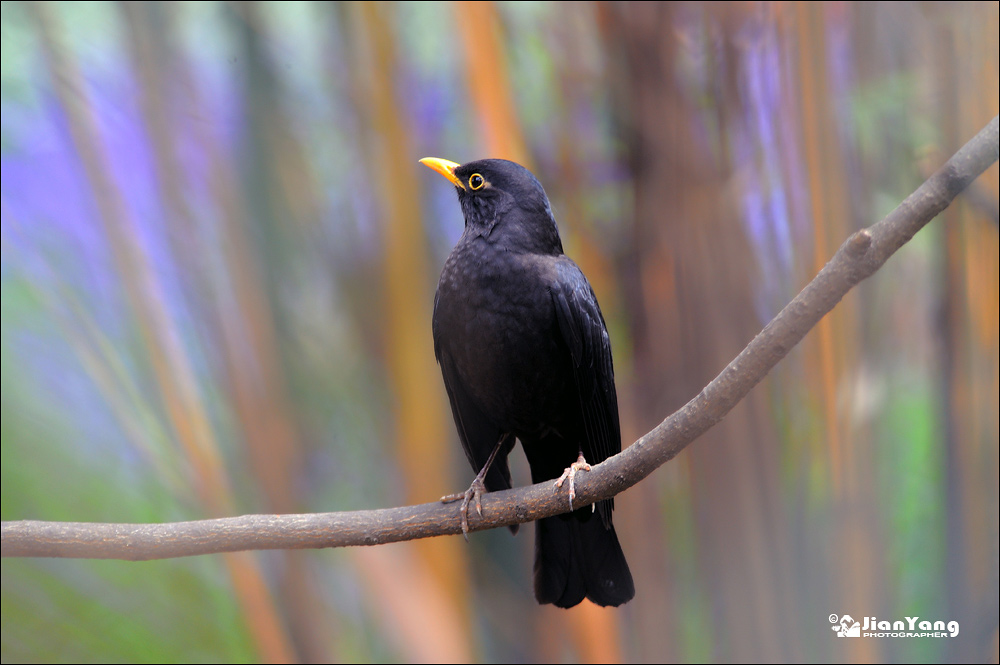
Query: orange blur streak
{"type": "Point", "coordinates": [422, 426]}
{"type": "Point", "coordinates": [486, 74]}
{"type": "Point", "coordinates": [811, 66]}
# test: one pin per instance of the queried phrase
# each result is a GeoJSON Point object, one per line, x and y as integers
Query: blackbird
{"type": "Point", "coordinates": [525, 354]}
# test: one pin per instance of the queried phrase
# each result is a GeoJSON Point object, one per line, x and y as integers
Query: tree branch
{"type": "Point", "coordinates": [861, 255]}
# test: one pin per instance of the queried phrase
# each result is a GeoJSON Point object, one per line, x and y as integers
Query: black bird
{"type": "Point", "coordinates": [525, 354]}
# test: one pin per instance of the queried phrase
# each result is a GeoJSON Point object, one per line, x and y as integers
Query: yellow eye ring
{"type": "Point", "coordinates": [476, 181]}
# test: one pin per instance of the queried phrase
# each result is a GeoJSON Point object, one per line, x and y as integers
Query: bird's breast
{"type": "Point", "coordinates": [495, 321]}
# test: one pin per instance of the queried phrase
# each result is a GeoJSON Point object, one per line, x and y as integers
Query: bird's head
{"type": "Point", "coordinates": [503, 203]}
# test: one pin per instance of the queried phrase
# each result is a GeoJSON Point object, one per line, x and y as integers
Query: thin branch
{"type": "Point", "coordinates": [860, 256]}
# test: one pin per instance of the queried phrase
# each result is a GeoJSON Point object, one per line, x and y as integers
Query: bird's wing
{"type": "Point", "coordinates": [582, 327]}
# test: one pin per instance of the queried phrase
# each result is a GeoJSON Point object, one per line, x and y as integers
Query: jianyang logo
{"type": "Point", "coordinates": [846, 626]}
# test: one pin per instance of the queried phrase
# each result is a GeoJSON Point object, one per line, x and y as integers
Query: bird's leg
{"type": "Point", "coordinates": [579, 465]}
{"type": "Point", "coordinates": [475, 491]}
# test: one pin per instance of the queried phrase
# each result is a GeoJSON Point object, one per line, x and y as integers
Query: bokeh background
{"type": "Point", "coordinates": [218, 266]}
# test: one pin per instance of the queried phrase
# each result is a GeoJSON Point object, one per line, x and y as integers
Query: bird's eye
{"type": "Point", "coordinates": [476, 181]}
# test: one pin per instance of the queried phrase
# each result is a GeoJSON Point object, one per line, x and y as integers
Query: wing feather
{"type": "Point", "coordinates": [582, 327]}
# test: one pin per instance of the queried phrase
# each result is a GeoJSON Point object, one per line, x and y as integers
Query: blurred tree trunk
{"type": "Point", "coordinates": [830, 355]}
{"type": "Point", "coordinates": [695, 276]}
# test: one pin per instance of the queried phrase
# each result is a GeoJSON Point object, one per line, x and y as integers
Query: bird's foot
{"type": "Point", "coordinates": [579, 465]}
{"type": "Point", "coordinates": [475, 491]}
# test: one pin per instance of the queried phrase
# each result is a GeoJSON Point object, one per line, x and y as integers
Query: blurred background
{"type": "Point", "coordinates": [218, 266]}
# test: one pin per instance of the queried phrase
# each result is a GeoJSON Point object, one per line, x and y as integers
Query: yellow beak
{"type": "Point", "coordinates": [444, 167]}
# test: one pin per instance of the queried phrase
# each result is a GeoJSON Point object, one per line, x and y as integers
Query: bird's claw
{"type": "Point", "coordinates": [475, 491]}
{"type": "Point", "coordinates": [579, 465]}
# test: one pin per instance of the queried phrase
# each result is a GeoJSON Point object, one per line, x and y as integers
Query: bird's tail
{"type": "Point", "coordinates": [576, 556]}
